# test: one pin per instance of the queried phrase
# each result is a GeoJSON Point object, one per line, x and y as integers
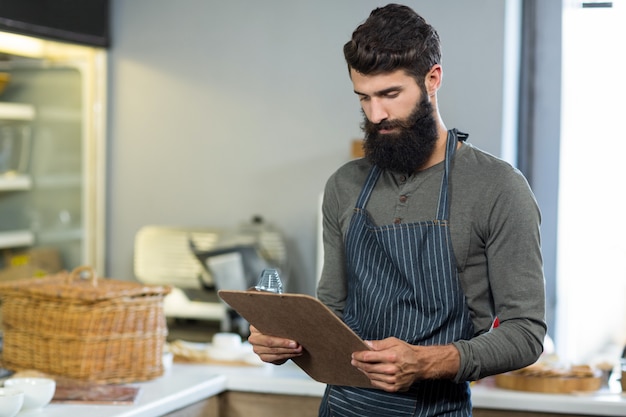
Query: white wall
{"type": "Point", "coordinates": [223, 110]}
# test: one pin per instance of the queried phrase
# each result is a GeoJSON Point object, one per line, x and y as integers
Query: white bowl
{"type": "Point", "coordinates": [38, 392]}
{"type": "Point", "coordinates": [226, 341]}
{"type": "Point", "coordinates": [11, 400]}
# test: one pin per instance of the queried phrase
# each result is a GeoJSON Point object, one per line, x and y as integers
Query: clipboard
{"type": "Point", "coordinates": [328, 343]}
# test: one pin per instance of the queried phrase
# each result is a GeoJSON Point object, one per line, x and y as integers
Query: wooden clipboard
{"type": "Point", "coordinates": [328, 343]}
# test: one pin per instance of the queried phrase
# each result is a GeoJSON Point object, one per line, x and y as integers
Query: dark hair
{"type": "Point", "coordinates": [393, 37]}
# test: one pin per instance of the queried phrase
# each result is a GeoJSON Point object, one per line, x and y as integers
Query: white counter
{"type": "Point", "coordinates": [602, 403]}
{"type": "Point", "coordinates": [182, 386]}
{"type": "Point", "coordinates": [186, 384]}
{"type": "Point", "coordinates": [286, 379]}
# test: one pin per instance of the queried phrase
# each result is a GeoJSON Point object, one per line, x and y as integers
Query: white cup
{"type": "Point", "coordinates": [11, 400]}
{"type": "Point", "coordinates": [38, 392]}
{"type": "Point", "coordinates": [226, 341]}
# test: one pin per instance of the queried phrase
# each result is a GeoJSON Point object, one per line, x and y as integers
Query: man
{"type": "Point", "coordinates": [426, 241]}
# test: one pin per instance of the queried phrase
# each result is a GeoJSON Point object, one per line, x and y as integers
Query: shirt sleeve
{"type": "Point", "coordinates": [332, 288]}
{"type": "Point", "coordinates": [512, 249]}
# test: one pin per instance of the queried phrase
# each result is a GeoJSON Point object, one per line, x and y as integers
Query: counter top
{"type": "Point", "coordinates": [181, 386]}
{"type": "Point", "coordinates": [185, 384]}
{"type": "Point", "coordinates": [601, 403]}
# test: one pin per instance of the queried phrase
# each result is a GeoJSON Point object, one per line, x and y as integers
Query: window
{"type": "Point", "coordinates": [591, 237]}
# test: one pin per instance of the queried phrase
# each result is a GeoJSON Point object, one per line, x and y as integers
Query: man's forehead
{"type": "Point", "coordinates": [371, 84]}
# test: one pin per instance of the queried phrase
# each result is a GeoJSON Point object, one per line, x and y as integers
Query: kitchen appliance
{"type": "Point", "coordinates": [52, 146]}
{"type": "Point", "coordinates": [197, 262]}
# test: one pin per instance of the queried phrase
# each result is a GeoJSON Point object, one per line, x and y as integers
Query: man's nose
{"type": "Point", "coordinates": [377, 112]}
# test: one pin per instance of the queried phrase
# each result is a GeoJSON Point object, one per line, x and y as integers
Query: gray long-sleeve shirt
{"type": "Point", "coordinates": [494, 225]}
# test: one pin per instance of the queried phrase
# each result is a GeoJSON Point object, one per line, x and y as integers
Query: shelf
{"type": "Point", "coordinates": [16, 238]}
{"type": "Point", "coordinates": [16, 111]}
{"type": "Point", "coordinates": [12, 182]}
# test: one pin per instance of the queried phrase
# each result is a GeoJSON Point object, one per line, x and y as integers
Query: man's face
{"type": "Point", "coordinates": [400, 129]}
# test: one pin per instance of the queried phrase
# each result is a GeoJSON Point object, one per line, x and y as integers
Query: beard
{"type": "Point", "coordinates": [406, 150]}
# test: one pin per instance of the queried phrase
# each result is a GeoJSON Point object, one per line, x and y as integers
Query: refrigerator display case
{"type": "Point", "coordinates": [52, 149]}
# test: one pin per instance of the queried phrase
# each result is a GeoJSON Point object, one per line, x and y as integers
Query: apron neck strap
{"type": "Point", "coordinates": [368, 187]}
{"type": "Point", "coordinates": [443, 206]}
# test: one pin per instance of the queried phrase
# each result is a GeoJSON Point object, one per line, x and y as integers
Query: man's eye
{"type": "Point", "coordinates": [392, 95]}
{"type": "Point", "coordinates": [363, 98]}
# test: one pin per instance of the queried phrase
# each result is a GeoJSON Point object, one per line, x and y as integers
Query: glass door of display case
{"type": "Point", "coordinates": [52, 155]}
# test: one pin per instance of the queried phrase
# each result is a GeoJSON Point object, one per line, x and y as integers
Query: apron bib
{"type": "Point", "coordinates": [403, 282]}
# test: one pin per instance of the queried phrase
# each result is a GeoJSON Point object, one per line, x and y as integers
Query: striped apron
{"type": "Point", "coordinates": [403, 282]}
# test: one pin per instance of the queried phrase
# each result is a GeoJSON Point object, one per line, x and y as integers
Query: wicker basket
{"type": "Point", "coordinates": [98, 330]}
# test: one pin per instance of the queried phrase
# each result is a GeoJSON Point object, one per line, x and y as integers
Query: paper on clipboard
{"type": "Point", "coordinates": [327, 342]}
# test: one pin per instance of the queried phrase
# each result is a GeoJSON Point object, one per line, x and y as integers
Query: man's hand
{"type": "Point", "coordinates": [394, 365]}
{"type": "Point", "coordinates": [272, 349]}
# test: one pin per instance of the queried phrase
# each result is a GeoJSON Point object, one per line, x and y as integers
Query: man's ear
{"type": "Point", "coordinates": [433, 79]}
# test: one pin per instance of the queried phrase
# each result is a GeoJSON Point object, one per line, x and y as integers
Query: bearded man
{"type": "Point", "coordinates": [426, 241]}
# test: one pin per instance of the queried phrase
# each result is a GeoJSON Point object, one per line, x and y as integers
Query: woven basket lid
{"type": "Point", "coordinates": [80, 284]}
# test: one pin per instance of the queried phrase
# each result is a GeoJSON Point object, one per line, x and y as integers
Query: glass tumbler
{"type": "Point", "coordinates": [270, 281]}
